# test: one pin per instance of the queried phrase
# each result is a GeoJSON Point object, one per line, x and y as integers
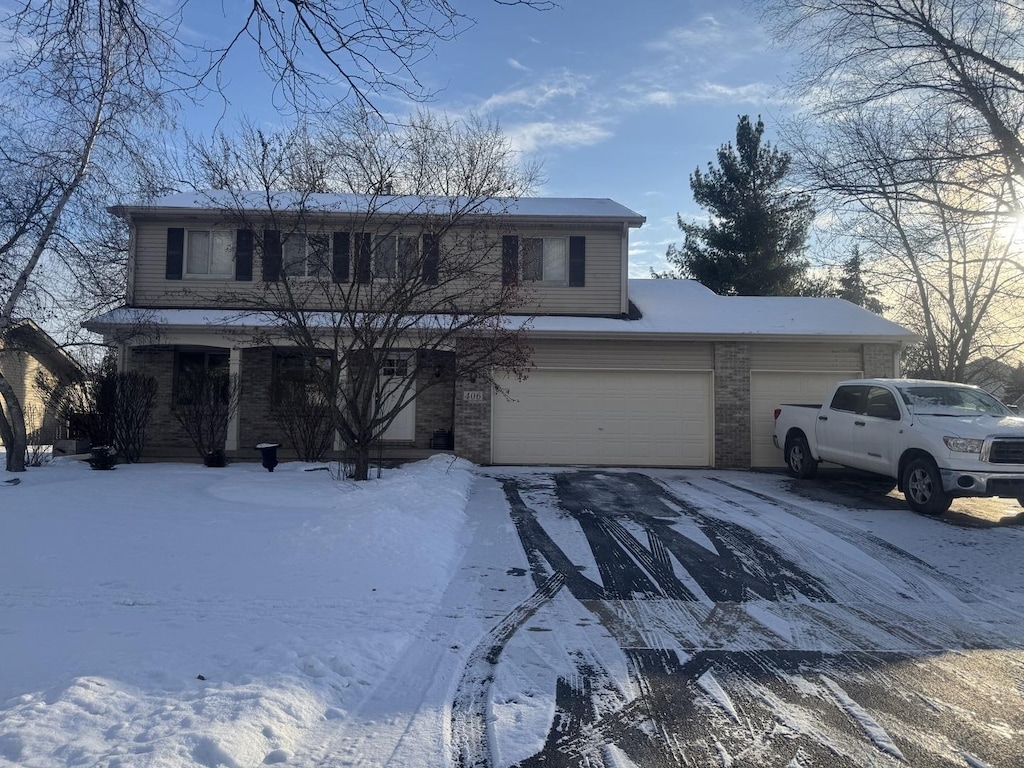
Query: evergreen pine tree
{"type": "Point", "coordinates": [852, 286]}
{"type": "Point", "coordinates": [754, 244]}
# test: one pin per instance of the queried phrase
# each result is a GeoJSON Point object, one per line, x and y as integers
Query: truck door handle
{"type": "Point", "coordinates": [823, 418]}
{"type": "Point", "coordinates": [859, 423]}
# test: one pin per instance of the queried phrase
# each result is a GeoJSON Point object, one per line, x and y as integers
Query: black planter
{"type": "Point", "coordinates": [269, 453]}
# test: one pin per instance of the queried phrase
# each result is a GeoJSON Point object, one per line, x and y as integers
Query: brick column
{"type": "Point", "coordinates": [732, 405]}
{"type": "Point", "coordinates": [879, 360]}
{"type": "Point", "coordinates": [235, 371]}
{"type": "Point", "coordinates": [473, 420]}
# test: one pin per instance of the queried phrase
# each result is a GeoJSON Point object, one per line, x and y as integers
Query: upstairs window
{"type": "Point", "coordinates": [394, 255]}
{"type": "Point", "coordinates": [306, 256]}
{"type": "Point", "coordinates": [545, 259]}
{"type": "Point", "coordinates": [210, 253]}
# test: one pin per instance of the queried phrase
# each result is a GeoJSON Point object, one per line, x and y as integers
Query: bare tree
{"type": "Point", "coordinates": [78, 105]}
{"type": "Point", "coordinates": [941, 60]}
{"type": "Point", "coordinates": [949, 263]}
{"type": "Point", "coordinates": [316, 52]}
{"type": "Point", "coordinates": [380, 283]}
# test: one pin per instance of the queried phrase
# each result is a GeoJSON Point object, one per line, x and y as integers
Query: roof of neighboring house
{"type": "Point", "coordinates": [681, 309]}
{"type": "Point", "coordinates": [585, 208]}
{"type": "Point", "coordinates": [28, 336]}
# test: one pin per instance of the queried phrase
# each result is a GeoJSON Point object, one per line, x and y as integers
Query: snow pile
{"type": "Point", "coordinates": [174, 615]}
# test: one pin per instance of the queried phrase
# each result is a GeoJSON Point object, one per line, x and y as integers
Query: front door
{"type": "Point", "coordinates": [397, 370]}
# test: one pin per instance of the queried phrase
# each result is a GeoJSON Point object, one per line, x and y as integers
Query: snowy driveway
{"type": "Point", "coordinates": [720, 619]}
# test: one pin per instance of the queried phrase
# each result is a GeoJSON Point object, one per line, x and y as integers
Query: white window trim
{"type": "Point", "coordinates": [561, 282]}
{"type": "Point", "coordinates": [211, 231]}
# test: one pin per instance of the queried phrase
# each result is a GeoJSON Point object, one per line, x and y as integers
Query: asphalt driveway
{"type": "Point", "coordinates": [732, 619]}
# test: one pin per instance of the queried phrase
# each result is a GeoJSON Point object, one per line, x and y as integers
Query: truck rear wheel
{"type": "Point", "coordinates": [922, 485]}
{"type": "Point", "coordinates": [798, 458]}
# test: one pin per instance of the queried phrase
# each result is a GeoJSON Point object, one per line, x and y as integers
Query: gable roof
{"type": "Point", "coordinates": [575, 208]}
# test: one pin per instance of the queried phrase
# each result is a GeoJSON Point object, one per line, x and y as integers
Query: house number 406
{"type": "Point", "coordinates": [473, 396]}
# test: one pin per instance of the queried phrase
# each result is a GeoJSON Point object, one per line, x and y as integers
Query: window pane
{"type": "Point", "coordinates": [293, 255]}
{"type": "Point", "coordinates": [385, 256]}
{"type": "Point", "coordinates": [198, 261]}
{"type": "Point", "coordinates": [222, 252]}
{"type": "Point", "coordinates": [319, 256]}
{"type": "Point", "coordinates": [406, 254]}
{"type": "Point", "coordinates": [533, 261]}
{"type": "Point", "coordinates": [554, 258]}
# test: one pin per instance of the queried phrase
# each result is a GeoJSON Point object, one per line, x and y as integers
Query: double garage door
{"type": "Point", "coordinates": [605, 417]}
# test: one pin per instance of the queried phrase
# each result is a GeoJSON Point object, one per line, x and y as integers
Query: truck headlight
{"type": "Point", "coordinates": [963, 444]}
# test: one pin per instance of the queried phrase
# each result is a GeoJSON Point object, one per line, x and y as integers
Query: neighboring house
{"type": "Point", "coordinates": [25, 353]}
{"type": "Point", "coordinates": [625, 372]}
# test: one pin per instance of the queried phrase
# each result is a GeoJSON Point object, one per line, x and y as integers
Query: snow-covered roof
{"type": "Point", "coordinates": [669, 308]}
{"type": "Point", "coordinates": [389, 205]}
{"type": "Point", "coordinates": [685, 307]}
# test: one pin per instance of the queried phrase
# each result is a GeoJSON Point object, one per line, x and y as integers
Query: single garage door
{"type": "Point", "coordinates": [606, 417]}
{"type": "Point", "coordinates": [768, 390]}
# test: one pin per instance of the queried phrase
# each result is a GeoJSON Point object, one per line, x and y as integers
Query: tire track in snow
{"type": "Point", "coordinates": [872, 727]}
{"type": "Point", "coordinates": [469, 733]}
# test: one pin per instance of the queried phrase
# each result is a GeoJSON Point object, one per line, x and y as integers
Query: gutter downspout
{"type": "Point", "coordinates": [624, 301]}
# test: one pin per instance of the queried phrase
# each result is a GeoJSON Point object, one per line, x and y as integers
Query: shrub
{"type": "Point", "coordinates": [102, 457]}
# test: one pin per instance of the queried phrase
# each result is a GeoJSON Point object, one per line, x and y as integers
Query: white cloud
{"type": "Point", "coordinates": [748, 93]}
{"type": "Point", "coordinates": [563, 86]}
{"type": "Point", "coordinates": [536, 136]}
{"type": "Point", "coordinates": [517, 65]}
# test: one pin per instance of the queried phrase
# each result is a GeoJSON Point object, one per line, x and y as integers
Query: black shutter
{"type": "Point", "coordinates": [577, 261]}
{"type": "Point", "coordinates": [243, 254]}
{"type": "Point", "coordinates": [175, 252]}
{"type": "Point", "coordinates": [271, 255]}
{"type": "Point", "coordinates": [340, 262]}
{"type": "Point", "coordinates": [509, 260]}
{"type": "Point", "coordinates": [363, 271]}
{"type": "Point", "coordinates": [431, 251]}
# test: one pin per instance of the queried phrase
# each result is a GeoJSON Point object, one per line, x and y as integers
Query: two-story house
{"type": "Point", "coordinates": [624, 372]}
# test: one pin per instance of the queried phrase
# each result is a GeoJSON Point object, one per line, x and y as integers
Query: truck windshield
{"type": "Point", "coordinates": [951, 401]}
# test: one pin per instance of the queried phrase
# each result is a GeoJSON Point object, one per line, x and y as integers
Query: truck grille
{"type": "Point", "coordinates": [1007, 450]}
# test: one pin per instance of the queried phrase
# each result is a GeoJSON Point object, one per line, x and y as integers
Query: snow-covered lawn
{"type": "Point", "coordinates": [171, 614]}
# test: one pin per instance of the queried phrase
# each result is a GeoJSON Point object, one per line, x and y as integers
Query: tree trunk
{"type": "Point", "coordinates": [361, 462]}
{"type": "Point", "coordinates": [12, 428]}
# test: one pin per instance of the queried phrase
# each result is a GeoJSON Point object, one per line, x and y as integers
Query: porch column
{"type": "Point", "coordinates": [235, 371]}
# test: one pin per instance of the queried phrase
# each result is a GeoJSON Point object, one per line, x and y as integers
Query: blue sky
{"type": "Point", "coordinates": [619, 100]}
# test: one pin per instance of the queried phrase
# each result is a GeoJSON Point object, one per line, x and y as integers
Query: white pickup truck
{"type": "Point", "coordinates": [937, 440]}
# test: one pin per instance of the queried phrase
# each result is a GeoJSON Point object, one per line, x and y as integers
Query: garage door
{"type": "Point", "coordinates": [625, 418]}
{"type": "Point", "coordinates": [769, 389]}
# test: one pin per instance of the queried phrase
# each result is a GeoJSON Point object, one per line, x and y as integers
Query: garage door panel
{"type": "Point", "coordinates": [768, 390]}
{"type": "Point", "coordinates": [639, 418]}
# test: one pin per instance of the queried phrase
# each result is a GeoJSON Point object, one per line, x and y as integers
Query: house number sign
{"type": "Point", "coordinates": [473, 396]}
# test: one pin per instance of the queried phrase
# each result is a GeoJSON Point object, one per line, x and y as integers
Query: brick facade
{"type": "Point", "coordinates": [435, 398]}
{"type": "Point", "coordinates": [732, 404]}
{"type": "Point", "coordinates": [255, 421]}
{"type": "Point", "coordinates": [473, 420]}
{"type": "Point", "coordinates": [879, 360]}
{"type": "Point", "coordinates": [165, 437]}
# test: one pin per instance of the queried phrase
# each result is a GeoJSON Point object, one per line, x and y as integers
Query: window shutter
{"type": "Point", "coordinates": [175, 252]}
{"type": "Point", "coordinates": [431, 251]}
{"type": "Point", "coordinates": [509, 260]}
{"type": "Point", "coordinates": [363, 255]}
{"type": "Point", "coordinates": [577, 261]}
{"type": "Point", "coordinates": [271, 255]}
{"type": "Point", "coordinates": [340, 262]}
{"type": "Point", "coordinates": [243, 254]}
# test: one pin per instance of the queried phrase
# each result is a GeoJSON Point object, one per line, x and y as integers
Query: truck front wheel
{"type": "Point", "coordinates": [798, 458]}
{"type": "Point", "coordinates": [922, 485]}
